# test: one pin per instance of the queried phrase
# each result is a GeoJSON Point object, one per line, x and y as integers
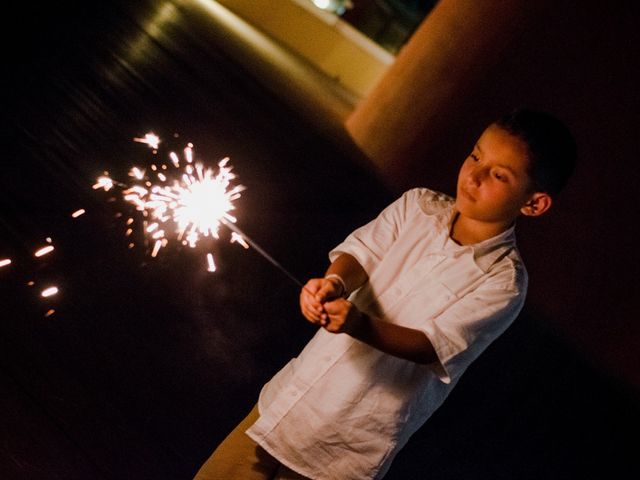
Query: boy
{"type": "Point", "coordinates": [430, 284]}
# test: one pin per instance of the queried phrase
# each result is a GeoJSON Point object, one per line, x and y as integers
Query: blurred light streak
{"type": "Point", "coordinates": [44, 251]}
{"type": "Point", "coordinates": [211, 266]}
{"type": "Point", "coordinates": [49, 291]}
{"type": "Point", "coordinates": [150, 139]}
{"type": "Point", "coordinates": [103, 182]}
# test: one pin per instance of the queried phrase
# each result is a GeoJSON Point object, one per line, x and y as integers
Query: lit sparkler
{"type": "Point", "coordinates": [185, 203]}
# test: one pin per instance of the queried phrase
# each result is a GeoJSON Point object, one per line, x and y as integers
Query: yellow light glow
{"type": "Point", "coordinates": [322, 3]}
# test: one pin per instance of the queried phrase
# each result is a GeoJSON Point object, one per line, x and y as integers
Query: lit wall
{"type": "Point", "coordinates": [472, 61]}
{"type": "Point", "coordinates": [323, 39]}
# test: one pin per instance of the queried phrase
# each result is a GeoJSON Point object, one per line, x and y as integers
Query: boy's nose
{"type": "Point", "coordinates": [476, 175]}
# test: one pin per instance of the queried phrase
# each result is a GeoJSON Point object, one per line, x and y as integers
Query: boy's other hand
{"type": "Point", "coordinates": [342, 316]}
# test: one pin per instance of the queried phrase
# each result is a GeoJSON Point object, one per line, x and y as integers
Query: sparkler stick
{"type": "Point", "coordinates": [261, 251]}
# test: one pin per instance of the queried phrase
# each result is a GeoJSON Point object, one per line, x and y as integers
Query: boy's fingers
{"type": "Point", "coordinates": [312, 300]}
{"type": "Point", "coordinates": [327, 291]}
{"type": "Point", "coordinates": [311, 309]}
{"type": "Point", "coordinates": [322, 293]}
{"type": "Point", "coordinates": [311, 313]}
{"type": "Point", "coordinates": [335, 306]}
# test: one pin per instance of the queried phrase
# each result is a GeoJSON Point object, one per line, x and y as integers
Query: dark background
{"type": "Point", "coordinates": [146, 363]}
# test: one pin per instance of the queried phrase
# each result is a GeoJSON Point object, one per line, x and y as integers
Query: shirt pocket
{"type": "Point", "coordinates": [458, 277]}
{"type": "Point", "coordinates": [427, 302]}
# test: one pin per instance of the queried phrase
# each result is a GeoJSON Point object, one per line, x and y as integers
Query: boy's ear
{"type": "Point", "coordinates": [539, 203]}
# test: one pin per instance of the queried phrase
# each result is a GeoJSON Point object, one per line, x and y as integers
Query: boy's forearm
{"type": "Point", "coordinates": [351, 272]}
{"type": "Point", "coordinates": [395, 340]}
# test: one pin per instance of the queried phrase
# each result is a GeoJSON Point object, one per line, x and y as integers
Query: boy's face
{"type": "Point", "coordinates": [493, 183]}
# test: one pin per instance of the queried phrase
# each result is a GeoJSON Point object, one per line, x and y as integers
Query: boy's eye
{"type": "Point", "coordinates": [474, 157]}
{"type": "Point", "coordinates": [500, 177]}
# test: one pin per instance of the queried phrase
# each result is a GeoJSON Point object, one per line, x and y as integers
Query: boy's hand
{"type": "Point", "coordinates": [314, 294]}
{"type": "Point", "coordinates": [321, 303]}
{"type": "Point", "coordinates": [342, 316]}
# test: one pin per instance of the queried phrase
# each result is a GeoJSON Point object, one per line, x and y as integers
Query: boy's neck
{"type": "Point", "coordinates": [467, 231]}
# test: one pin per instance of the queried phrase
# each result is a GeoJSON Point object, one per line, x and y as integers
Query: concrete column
{"type": "Point", "coordinates": [419, 97]}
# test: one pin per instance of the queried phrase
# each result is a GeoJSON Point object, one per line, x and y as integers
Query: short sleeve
{"type": "Point", "coordinates": [369, 243]}
{"type": "Point", "coordinates": [463, 331]}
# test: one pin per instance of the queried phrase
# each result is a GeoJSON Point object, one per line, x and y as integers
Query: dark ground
{"type": "Point", "coordinates": [147, 363]}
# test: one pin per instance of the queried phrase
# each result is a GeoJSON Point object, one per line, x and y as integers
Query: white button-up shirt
{"type": "Point", "coordinates": [342, 410]}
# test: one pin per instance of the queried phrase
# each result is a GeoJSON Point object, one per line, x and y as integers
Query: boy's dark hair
{"type": "Point", "coordinates": [552, 149]}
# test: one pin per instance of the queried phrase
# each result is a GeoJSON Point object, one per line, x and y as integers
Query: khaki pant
{"type": "Point", "coordinates": [240, 458]}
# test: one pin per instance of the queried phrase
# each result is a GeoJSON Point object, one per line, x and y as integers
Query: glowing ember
{"type": "Point", "coordinates": [50, 291]}
{"type": "Point", "coordinates": [103, 182]}
{"type": "Point", "coordinates": [137, 173]}
{"type": "Point", "coordinates": [4, 262]}
{"type": "Point", "coordinates": [211, 266]}
{"type": "Point", "coordinates": [236, 237]}
{"type": "Point", "coordinates": [150, 139]}
{"type": "Point", "coordinates": [77, 213]}
{"type": "Point", "coordinates": [44, 251]}
{"type": "Point", "coordinates": [50, 312]}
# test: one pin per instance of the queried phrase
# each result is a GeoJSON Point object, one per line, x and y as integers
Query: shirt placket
{"type": "Point", "coordinates": [294, 393]}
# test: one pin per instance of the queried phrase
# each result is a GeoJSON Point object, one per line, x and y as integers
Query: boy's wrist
{"type": "Point", "coordinates": [338, 280]}
{"type": "Point", "coordinates": [360, 327]}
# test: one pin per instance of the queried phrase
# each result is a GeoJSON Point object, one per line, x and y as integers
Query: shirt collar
{"type": "Point", "coordinates": [485, 253]}
{"type": "Point", "coordinates": [489, 251]}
